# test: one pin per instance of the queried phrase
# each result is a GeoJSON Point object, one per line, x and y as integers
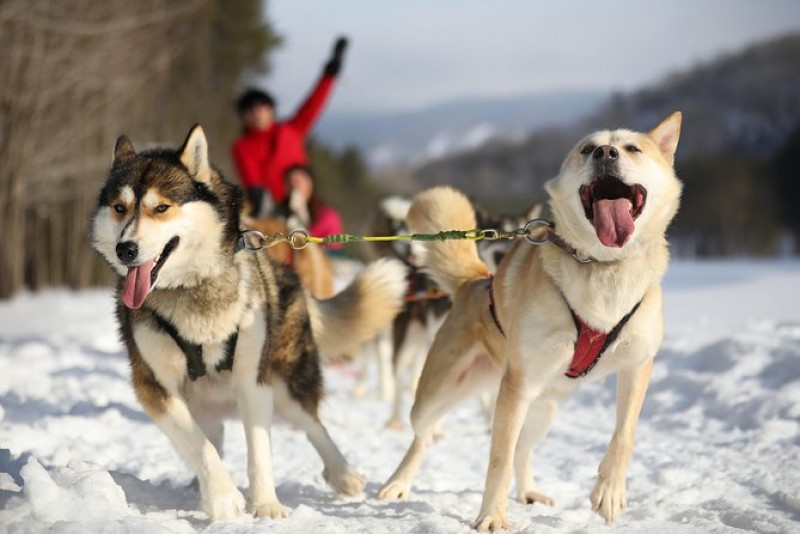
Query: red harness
{"type": "Point", "coordinates": [590, 343]}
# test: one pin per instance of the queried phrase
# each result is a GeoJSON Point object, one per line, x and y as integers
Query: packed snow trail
{"type": "Point", "coordinates": [718, 446]}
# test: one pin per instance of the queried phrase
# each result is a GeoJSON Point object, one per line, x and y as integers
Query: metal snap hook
{"type": "Point", "coordinates": [489, 234]}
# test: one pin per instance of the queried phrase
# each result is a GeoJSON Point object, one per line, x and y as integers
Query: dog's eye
{"type": "Point", "coordinates": [161, 209]}
{"type": "Point", "coordinates": [633, 148]}
{"type": "Point", "coordinates": [119, 208]}
{"type": "Point", "coordinates": [588, 149]}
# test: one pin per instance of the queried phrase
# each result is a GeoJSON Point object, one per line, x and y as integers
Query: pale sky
{"type": "Point", "coordinates": [411, 53]}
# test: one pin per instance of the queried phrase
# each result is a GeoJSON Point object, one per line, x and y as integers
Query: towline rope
{"type": "Point", "coordinates": [253, 240]}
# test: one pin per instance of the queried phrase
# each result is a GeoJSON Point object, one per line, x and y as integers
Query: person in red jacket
{"type": "Point", "coordinates": [268, 148]}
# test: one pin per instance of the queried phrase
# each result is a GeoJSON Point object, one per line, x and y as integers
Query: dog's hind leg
{"type": "Point", "coordinates": [379, 348]}
{"type": "Point", "coordinates": [337, 473]}
{"type": "Point", "coordinates": [407, 347]}
{"type": "Point", "coordinates": [386, 380]}
{"type": "Point", "coordinates": [433, 321]}
{"type": "Point", "coordinates": [456, 367]}
{"type": "Point", "coordinates": [537, 423]}
{"type": "Point", "coordinates": [488, 400]}
{"type": "Point", "coordinates": [361, 370]}
{"type": "Point", "coordinates": [608, 496]}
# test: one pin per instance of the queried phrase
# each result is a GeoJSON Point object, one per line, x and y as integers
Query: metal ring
{"type": "Point", "coordinates": [298, 239]}
{"type": "Point", "coordinates": [581, 260]}
{"type": "Point", "coordinates": [528, 229]}
{"type": "Point", "coordinates": [246, 243]}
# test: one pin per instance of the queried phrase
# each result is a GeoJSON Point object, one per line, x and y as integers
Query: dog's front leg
{"type": "Point", "coordinates": [256, 404]}
{"type": "Point", "coordinates": [608, 496]}
{"type": "Point", "coordinates": [219, 497]}
{"type": "Point", "coordinates": [509, 416]}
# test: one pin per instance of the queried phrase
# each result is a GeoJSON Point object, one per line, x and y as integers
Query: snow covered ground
{"type": "Point", "coordinates": [718, 448]}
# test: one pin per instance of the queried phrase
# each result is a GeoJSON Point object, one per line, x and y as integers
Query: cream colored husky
{"type": "Point", "coordinates": [546, 322]}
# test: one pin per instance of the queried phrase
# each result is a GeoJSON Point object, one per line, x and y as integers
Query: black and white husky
{"type": "Point", "coordinates": [213, 331]}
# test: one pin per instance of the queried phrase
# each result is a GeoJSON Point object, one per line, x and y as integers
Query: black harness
{"type": "Point", "coordinates": [195, 366]}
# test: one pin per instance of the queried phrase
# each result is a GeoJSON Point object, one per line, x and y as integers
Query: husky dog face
{"type": "Point", "coordinates": [165, 219]}
{"type": "Point", "coordinates": [617, 190]}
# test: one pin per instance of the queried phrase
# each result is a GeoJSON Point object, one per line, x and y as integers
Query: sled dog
{"type": "Point", "coordinates": [574, 310]}
{"type": "Point", "coordinates": [213, 331]}
{"type": "Point", "coordinates": [427, 305]}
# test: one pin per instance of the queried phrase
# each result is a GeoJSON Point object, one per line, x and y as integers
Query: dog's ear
{"type": "Point", "coordinates": [123, 150]}
{"type": "Point", "coordinates": [194, 154]}
{"type": "Point", "coordinates": [666, 135]}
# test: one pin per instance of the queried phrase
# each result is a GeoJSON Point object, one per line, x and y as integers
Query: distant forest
{"type": "Point", "coordinates": [741, 131]}
{"type": "Point", "coordinates": [77, 74]}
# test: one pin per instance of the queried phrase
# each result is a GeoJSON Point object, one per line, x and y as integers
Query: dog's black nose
{"type": "Point", "coordinates": [127, 251]}
{"type": "Point", "coordinates": [605, 153]}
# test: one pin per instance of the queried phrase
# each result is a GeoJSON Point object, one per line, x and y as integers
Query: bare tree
{"type": "Point", "coordinates": [75, 75]}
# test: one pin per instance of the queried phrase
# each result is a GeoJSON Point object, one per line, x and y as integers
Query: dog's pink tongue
{"type": "Point", "coordinates": [137, 285]}
{"type": "Point", "coordinates": [613, 221]}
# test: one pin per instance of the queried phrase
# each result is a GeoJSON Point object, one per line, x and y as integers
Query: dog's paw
{"type": "Point", "coordinates": [532, 497]}
{"type": "Point", "coordinates": [224, 505]}
{"type": "Point", "coordinates": [608, 497]}
{"type": "Point", "coordinates": [347, 482]}
{"type": "Point", "coordinates": [393, 491]}
{"type": "Point", "coordinates": [395, 423]}
{"type": "Point", "coordinates": [490, 522]}
{"type": "Point", "coordinates": [271, 509]}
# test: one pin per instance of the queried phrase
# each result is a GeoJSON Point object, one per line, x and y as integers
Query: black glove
{"type": "Point", "coordinates": [334, 65]}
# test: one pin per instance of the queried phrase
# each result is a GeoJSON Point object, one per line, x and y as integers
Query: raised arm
{"type": "Point", "coordinates": [309, 111]}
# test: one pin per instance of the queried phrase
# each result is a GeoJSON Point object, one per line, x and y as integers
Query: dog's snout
{"type": "Point", "coordinates": [127, 251]}
{"type": "Point", "coordinates": [605, 153]}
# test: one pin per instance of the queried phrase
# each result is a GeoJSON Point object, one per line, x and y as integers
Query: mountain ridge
{"type": "Point", "coordinates": [744, 103]}
{"type": "Point", "coordinates": [415, 136]}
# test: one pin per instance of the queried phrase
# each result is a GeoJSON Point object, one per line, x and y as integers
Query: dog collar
{"type": "Point", "coordinates": [591, 343]}
{"type": "Point", "coordinates": [562, 243]}
{"type": "Point", "coordinates": [550, 236]}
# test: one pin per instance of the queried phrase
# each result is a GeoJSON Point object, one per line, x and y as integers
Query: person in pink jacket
{"type": "Point", "coordinates": [303, 207]}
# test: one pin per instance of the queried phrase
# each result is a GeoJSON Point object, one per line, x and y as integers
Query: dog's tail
{"type": "Point", "coordinates": [450, 263]}
{"type": "Point", "coordinates": [360, 311]}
